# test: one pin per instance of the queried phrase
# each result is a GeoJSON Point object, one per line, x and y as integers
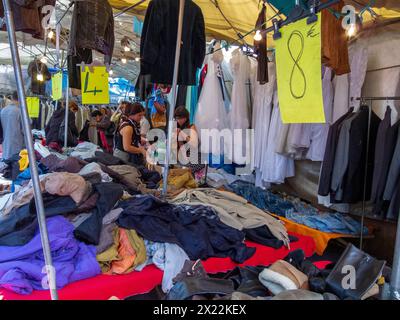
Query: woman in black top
{"type": "Point", "coordinates": [128, 141]}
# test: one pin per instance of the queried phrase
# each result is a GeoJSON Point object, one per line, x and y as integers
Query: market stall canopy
{"type": "Point", "coordinates": [242, 14]}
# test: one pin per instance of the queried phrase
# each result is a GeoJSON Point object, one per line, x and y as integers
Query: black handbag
{"type": "Point", "coordinates": [354, 262]}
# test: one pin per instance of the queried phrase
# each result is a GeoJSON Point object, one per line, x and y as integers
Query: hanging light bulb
{"type": "Point", "coordinates": [258, 36]}
{"type": "Point", "coordinates": [137, 59]}
{"type": "Point", "coordinates": [43, 60]}
{"type": "Point", "coordinates": [50, 35]}
{"type": "Point", "coordinates": [352, 30]}
{"type": "Point", "coordinates": [123, 60]}
{"type": "Point", "coordinates": [111, 72]}
{"type": "Point", "coordinates": [39, 77]}
{"type": "Point", "coordinates": [126, 49]}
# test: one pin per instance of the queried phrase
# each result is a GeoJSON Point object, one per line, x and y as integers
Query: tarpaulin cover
{"type": "Point", "coordinates": [243, 13]}
{"type": "Point", "coordinates": [102, 287]}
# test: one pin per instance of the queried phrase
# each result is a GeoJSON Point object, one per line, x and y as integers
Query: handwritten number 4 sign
{"type": "Point", "coordinates": [298, 59]}
{"type": "Point", "coordinates": [95, 86]}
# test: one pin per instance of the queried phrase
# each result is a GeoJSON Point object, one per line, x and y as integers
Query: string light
{"type": "Point", "coordinates": [126, 49]}
{"type": "Point", "coordinates": [43, 60]}
{"type": "Point", "coordinates": [111, 72]}
{"type": "Point", "coordinates": [258, 36]}
{"type": "Point", "coordinates": [50, 35]}
{"type": "Point", "coordinates": [352, 30]}
{"type": "Point", "coordinates": [123, 60]}
{"type": "Point", "coordinates": [137, 59]}
{"type": "Point", "coordinates": [39, 77]}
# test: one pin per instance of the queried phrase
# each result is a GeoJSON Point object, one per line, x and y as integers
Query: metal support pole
{"type": "Point", "coordinates": [31, 152]}
{"type": "Point", "coordinates": [128, 9]}
{"type": "Point", "coordinates": [174, 93]}
{"type": "Point", "coordinates": [365, 173]}
{"type": "Point", "coordinates": [395, 277]}
{"type": "Point", "coordinates": [66, 115]}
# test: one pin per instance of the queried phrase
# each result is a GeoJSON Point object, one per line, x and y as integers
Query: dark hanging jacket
{"type": "Point", "coordinates": [92, 28]}
{"type": "Point", "coordinates": [261, 49]}
{"type": "Point", "coordinates": [28, 16]}
{"type": "Point", "coordinates": [35, 67]}
{"type": "Point", "coordinates": [53, 127]}
{"type": "Point", "coordinates": [158, 42]}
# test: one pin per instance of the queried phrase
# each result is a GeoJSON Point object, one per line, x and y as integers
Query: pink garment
{"type": "Point", "coordinates": [67, 184]}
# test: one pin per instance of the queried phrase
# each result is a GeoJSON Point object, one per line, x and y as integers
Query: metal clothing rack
{"type": "Point", "coordinates": [393, 291]}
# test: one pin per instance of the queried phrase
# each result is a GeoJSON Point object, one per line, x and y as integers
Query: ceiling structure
{"type": "Point", "coordinates": [225, 19]}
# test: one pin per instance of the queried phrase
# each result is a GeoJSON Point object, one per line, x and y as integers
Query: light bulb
{"type": "Point", "coordinates": [39, 77]}
{"type": "Point", "coordinates": [258, 36]}
{"type": "Point", "coordinates": [43, 60]}
{"type": "Point", "coordinates": [352, 30]}
{"type": "Point", "coordinates": [123, 60]}
{"type": "Point", "coordinates": [111, 73]}
{"type": "Point", "coordinates": [137, 59]}
{"type": "Point", "coordinates": [50, 35]}
{"type": "Point", "coordinates": [126, 49]}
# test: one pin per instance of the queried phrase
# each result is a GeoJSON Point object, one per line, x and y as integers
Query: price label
{"type": "Point", "coordinates": [56, 86]}
{"type": "Point", "coordinates": [33, 105]}
{"type": "Point", "coordinates": [95, 86]}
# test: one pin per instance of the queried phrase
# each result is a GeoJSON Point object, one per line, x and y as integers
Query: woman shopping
{"type": "Point", "coordinates": [188, 141]}
{"type": "Point", "coordinates": [128, 140]}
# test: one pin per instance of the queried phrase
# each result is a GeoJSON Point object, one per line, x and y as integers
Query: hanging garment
{"type": "Point", "coordinates": [384, 150]}
{"type": "Point", "coordinates": [275, 166]}
{"type": "Point", "coordinates": [28, 16]}
{"type": "Point", "coordinates": [394, 172]}
{"type": "Point", "coordinates": [262, 109]}
{"type": "Point", "coordinates": [34, 68]}
{"type": "Point", "coordinates": [188, 226]}
{"type": "Point", "coordinates": [349, 85]}
{"type": "Point", "coordinates": [237, 149]}
{"type": "Point", "coordinates": [211, 113]}
{"type": "Point", "coordinates": [334, 41]}
{"type": "Point", "coordinates": [319, 132]}
{"type": "Point", "coordinates": [158, 42]}
{"type": "Point", "coordinates": [13, 134]}
{"type": "Point", "coordinates": [329, 156]}
{"type": "Point", "coordinates": [261, 48]}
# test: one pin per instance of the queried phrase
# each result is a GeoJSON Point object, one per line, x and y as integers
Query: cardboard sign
{"type": "Point", "coordinates": [56, 86]}
{"type": "Point", "coordinates": [95, 86]}
{"type": "Point", "coordinates": [33, 105]}
{"type": "Point", "coordinates": [299, 68]}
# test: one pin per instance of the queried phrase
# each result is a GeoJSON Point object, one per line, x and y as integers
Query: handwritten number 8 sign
{"type": "Point", "coordinates": [297, 75]}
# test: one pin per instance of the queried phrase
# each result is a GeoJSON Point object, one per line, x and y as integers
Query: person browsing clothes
{"type": "Point", "coordinates": [128, 140]}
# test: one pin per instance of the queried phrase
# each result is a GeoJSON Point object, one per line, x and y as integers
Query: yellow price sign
{"type": "Point", "coordinates": [95, 86]}
{"type": "Point", "coordinates": [56, 86]}
{"type": "Point", "coordinates": [298, 67]}
{"type": "Point", "coordinates": [33, 105]}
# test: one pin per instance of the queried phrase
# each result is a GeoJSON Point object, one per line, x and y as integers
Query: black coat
{"type": "Point", "coordinates": [158, 42]}
{"type": "Point", "coordinates": [53, 127]}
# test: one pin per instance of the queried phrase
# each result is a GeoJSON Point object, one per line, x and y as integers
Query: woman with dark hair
{"type": "Point", "coordinates": [128, 140]}
{"type": "Point", "coordinates": [187, 140]}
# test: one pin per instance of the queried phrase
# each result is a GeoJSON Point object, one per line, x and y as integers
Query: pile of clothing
{"type": "Point", "coordinates": [296, 210]}
{"type": "Point", "coordinates": [104, 216]}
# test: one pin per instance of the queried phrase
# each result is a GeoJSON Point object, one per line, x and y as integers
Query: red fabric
{"type": "Point", "coordinates": [104, 142]}
{"type": "Point", "coordinates": [102, 287]}
{"type": "Point", "coordinates": [322, 264]}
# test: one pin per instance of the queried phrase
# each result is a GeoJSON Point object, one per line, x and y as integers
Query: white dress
{"type": "Point", "coordinates": [239, 111]}
{"type": "Point", "coordinates": [211, 113]}
{"type": "Point", "coordinates": [262, 109]}
{"type": "Point", "coordinates": [275, 166]}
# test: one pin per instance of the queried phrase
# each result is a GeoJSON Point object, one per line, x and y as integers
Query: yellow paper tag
{"type": "Point", "coordinates": [33, 105]}
{"type": "Point", "coordinates": [298, 64]}
{"type": "Point", "coordinates": [95, 86]}
{"type": "Point", "coordinates": [56, 86]}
